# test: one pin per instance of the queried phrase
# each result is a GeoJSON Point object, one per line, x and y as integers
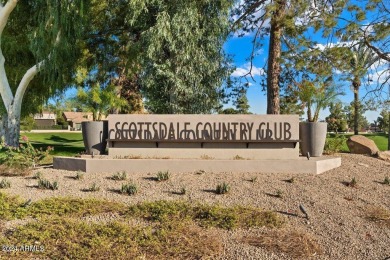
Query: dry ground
{"type": "Point", "coordinates": [341, 217]}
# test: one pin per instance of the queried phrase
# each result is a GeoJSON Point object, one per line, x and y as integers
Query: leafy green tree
{"type": "Point", "coordinates": [350, 115]}
{"type": "Point", "coordinates": [242, 104]}
{"type": "Point", "coordinates": [367, 31]}
{"type": "Point", "coordinates": [383, 120]}
{"type": "Point", "coordinates": [184, 66]}
{"type": "Point", "coordinates": [168, 52]}
{"type": "Point", "coordinates": [95, 97]}
{"type": "Point", "coordinates": [337, 121]}
{"type": "Point", "coordinates": [51, 30]}
{"type": "Point", "coordinates": [113, 48]}
{"type": "Point", "coordinates": [368, 24]}
{"type": "Point", "coordinates": [289, 102]}
{"type": "Point", "coordinates": [316, 95]}
{"type": "Point", "coordinates": [228, 111]}
{"type": "Point", "coordinates": [361, 59]}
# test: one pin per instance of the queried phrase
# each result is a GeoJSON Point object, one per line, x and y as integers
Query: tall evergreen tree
{"type": "Point", "coordinates": [287, 22]}
{"type": "Point", "coordinates": [337, 121]}
{"type": "Point", "coordinates": [242, 104]}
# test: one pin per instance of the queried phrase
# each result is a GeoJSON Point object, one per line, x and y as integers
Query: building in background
{"type": "Point", "coordinates": [45, 119]}
{"type": "Point", "coordinates": [74, 119]}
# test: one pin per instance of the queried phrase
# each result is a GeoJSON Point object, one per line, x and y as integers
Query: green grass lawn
{"type": "Point", "coordinates": [65, 144]}
{"type": "Point", "coordinates": [380, 140]}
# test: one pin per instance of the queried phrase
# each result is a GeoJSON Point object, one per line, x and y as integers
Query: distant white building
{"type": "Point", "coordinates": [45, 119]}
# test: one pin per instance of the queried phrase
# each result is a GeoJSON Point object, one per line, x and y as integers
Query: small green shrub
{"type": "Point", "coordinates": [205, 215]}
{"type": "Point", "coordinates": [10, 207]}
{"type": "Point", "coordinates": [119, 176]}
{"type": "Point", "coordinates": [47, 185]}
{"type": "Point", "coordinates": [129, 189]}
{"type": "Point", "coordinates": [163, 176]}
{"type": "Point", "coordinates": [23, 157]}
{"type": "Point", "coordinates": [386, 181]}
{"type": "Point", "coordinates": [79, 175]}
{"type": "Point", "coordinates": [353, 183]}
{"type": "Point", "coordinates": [94, 187]}
{"type": "Point", "coordinates": [253, 179]}
{"type": "Point", "coordinates": [5, 184]}
{"type": "Point", "coordinates": [38, 175]}
{"type": "Point", "coordinates": [183, 191]}
{"type": "Point", "coordinates": [222, 188]}
{"type": "Point", "coordinates": [237, 157]}
{"type": "Point", "coordinates": [279, 194]}
{"type": "Point", "coordinates": [334, 144]}
{"type": "Point", "coordinates": [291, 180]}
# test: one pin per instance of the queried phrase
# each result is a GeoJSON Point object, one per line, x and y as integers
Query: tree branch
{"type": "Point", "coordinates": [5, 11]}
{"type": "Point", "coordinates": [5, 89]}
{"type": "Point", "coordinates": [28, 76]}
{"type": "Point", "coordinates": [251, 9]}
{"type": "Point", "coordinates": [382, 55]}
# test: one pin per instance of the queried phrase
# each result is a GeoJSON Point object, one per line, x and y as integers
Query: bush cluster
{"type": "Point", "coordinates": [23, 157]}
{"type": "Point", "coordinates": [334, 144]}
{"type": "Point", "coordinates": [47, 185]}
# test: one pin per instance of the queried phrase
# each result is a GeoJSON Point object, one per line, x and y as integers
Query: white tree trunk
{"type": "Point", "coordinates": [13, 125]}
{"type": "Point", "coordinates": [3, 123]}
{"type": "Point", "coordinates": [13, 104]}
{"type": "Point", "coordinates": [10, 122]}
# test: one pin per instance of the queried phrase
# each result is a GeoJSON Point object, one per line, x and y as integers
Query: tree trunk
{"type": "Point", "coordinates": [12, 127]}
{"type": "Point", "coordinates": [273, 70]}
{"type": "Point", "coordinates": [388, 139]}
{"type": "Point", "coordinates": [4, 122]}
{"type": "Point", "coordinates": [309, 117]}
{"type": "Point", "coordinates": [357, 110]}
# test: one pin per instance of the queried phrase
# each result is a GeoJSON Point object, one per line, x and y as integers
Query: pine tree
{"type": "Point", "coordinates": [287, 20]}
{"type": "Point", "coordinates": [337, 121]}
{"type": "Point", "coordinates": [242, 104]}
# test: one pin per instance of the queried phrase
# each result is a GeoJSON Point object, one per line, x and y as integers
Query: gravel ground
{"type": "Point", "coordinates": [337, 212]}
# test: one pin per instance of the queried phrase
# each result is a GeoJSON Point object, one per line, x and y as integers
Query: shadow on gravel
{"type": "Point", "coordinates": [210, 191]}
{"type": "Point", "coordinates": [117, 191]}
{"type": "Point", "coordinates": [150, 179]}
{"type": "Point", "coordinates": [31, 178]}
{"type": "Point", "coordinates": [289, 214]}
{"type": "Point", "coordinates": [273, 195]}
{"type": "Point", "coordinates": [87, 190]}
{"type": "Point", "coordinates": [177, 193]}
{"type": "Point", "coordinates": [71, 177]}
{"type": "Point", "coordinates": [383, 183]}
{"type": "Point", "coordinates": [349, 184]}
{"type": "Point", "coordinates": [32, 186]}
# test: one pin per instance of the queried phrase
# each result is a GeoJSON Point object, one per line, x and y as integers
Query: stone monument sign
{"type": "Point", "coordinates": [204, 136]}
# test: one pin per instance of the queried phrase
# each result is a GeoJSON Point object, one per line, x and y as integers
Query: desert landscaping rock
{"type": "Point", "coordinates": [384, 155]}
{"type": "Point", "coordinates": [359, 144]}
{"type": "Point", "coordinates": [337, 212]}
